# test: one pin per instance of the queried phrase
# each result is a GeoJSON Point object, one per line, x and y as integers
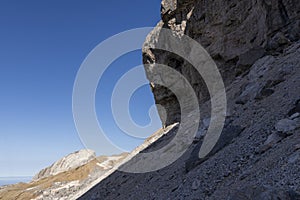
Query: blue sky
{"type": "Point", "coordinates": [42, 45]}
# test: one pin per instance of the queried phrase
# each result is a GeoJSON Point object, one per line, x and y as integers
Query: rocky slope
{"type": "Point", "coordinates": [257, 50]}
{"type": "Point", "coordinates": [64, 178]}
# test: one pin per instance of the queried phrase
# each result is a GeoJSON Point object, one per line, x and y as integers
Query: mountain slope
{"type": "Point", "coordinates": [256, 47]}
{"type": "Point", "coordinates": [63, 185]}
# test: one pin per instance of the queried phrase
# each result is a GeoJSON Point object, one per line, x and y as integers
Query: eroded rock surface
{"type": "Point", "coordinates": [235, 33]}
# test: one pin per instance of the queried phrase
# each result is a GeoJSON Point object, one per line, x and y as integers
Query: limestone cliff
{"type": "Point", "coordinates": [235, 33]}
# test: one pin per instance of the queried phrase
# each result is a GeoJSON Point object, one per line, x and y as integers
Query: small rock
{"type": "Point", "coordinates": [294, 158]}
{"type": "Point", "coordinates": [296, 109]}
{"type": "Point", "coordinates": [286, 125]}
{"type": "Point", "coordinates": [265, 92]}
{"type": "Point", "coordinates": [199, 135]}
{"type": "Point", "coordinates": [227, 173]}
{"type": "Point", "coordinates": [277, 41]}
{"type": "Point", "coordinates": [296, 147]}
{"type": "Point", "coordinates": [241, 101]}
{"type": "Point", "coordinates": [272, 139]}
{"type": "Point", "coordinates": [294, 116]}
{"type": "Point", "coordinates": [195, 184]}
{"type": "Point", "coordinates": [269, 143]}
{"type": "Point", "coordinates": [206, 122]}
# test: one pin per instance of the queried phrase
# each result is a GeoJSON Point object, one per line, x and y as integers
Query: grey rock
{"type": "Point", "coordinates": [199, 135]}
{"type": "Point", "coordinates": [286, 125]}
{"type": "Point", "coordinates": [263, 193]}
{"type": "Point", "coordinates": [206, 122]}
{"type": "Point", "coordinates": [294, 157]}
{"type": "Point", "coordinates": [296, 108]}
{"type": "Point", "coordinates": [272, 139]}
{"type": "Point", "coordinates": [277, 41]}
{"type": "Point", "coordinates": [195, 184]}
{"type": "Point", "coordinates": [294, 116]}
{"type": "Point", "coordinates": [248, 59]}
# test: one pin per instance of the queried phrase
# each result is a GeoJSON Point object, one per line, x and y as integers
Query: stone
{"type": "Point", "coordinates": [286, 125]}
{"type": "Point", "coordinates": [277, 41]}
{"type": "Point", "coordinates": [296, 147]}
{"type": "Point", "coordinates": [295, 31]}
{"type": "Point", "coordinates": [294, 116]}
{"type": "Point", "coordinates": [199, 135]}
{"type": "Point", "coordinates": [195, 184]}
{"type": "Point", "coordinates": [206, 122]}
{"type": "Point", "coordinates": [272, 139]}
{"type": "Point", "coordinates": [296, 108]}
{"type": "Point", "coordinates": [294, 157]}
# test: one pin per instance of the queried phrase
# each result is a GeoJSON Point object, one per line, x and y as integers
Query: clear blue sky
{"type": "Point", "coordinates": [42, 45]}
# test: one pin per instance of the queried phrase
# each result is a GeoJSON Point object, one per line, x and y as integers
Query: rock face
{"type": "Point", "coordinates": [235, 33]}
{"type": "Point", "coordinates": [69, 162]}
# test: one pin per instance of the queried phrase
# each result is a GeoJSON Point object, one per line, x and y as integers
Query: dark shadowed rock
{"type": "Point", "coordinates": [248, 59]}
{"type": "Point", "coordinates": [264, 193]}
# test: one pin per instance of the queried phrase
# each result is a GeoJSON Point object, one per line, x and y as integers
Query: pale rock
{"type": "Point", "coordinates": [294, 157]}
{"type": "Point", "coordinates": [294, 116]}
{"type": "Point", "coordinates": [69, 162]}
{"type": "Point", "coordinates": [286, 125]}
{"type": "Point", "coordinates": [206, 122]}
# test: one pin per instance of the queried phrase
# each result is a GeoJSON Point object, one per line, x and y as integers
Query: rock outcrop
{"type": "Point", "coordinates": [67, 163]}
{"type": "Point", "coordinates": [235, 33]}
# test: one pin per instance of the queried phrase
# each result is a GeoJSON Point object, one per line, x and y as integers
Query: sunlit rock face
{"type": "Point", "coordinates": [235, 33]}
{"type": "Point", "coordinates": [68, 162]}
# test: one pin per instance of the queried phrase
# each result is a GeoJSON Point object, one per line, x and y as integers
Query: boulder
{"type": "Point", "coordinates": [286, 125]}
